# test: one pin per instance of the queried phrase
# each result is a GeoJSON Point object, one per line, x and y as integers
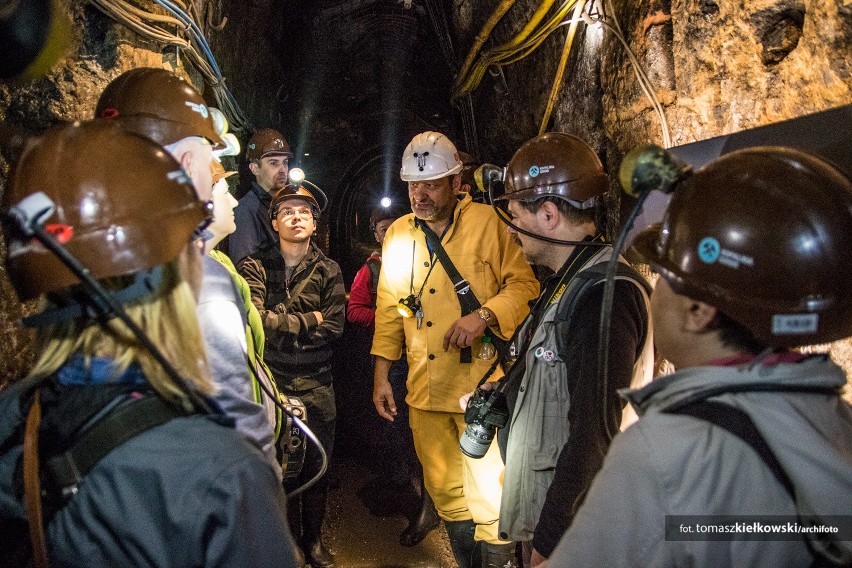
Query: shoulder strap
{"type": "Point", "coordinates": [299, 287]}
{"type": "Point", "coordinates": [32, 485]}
{"type": "Point", "coordinates": [740, 425]}
{"type": "Point", "coordinates": [67, 469]}
{"type": "Point", "coordinates": [374, 264]}
{"type": "Point", "coordinates": [468, 300]}
{"type": "Point", "coordinates": [598, 272]}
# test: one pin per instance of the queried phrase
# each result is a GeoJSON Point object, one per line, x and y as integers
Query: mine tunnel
{"type": "Point", "coordinates": [349, 83]}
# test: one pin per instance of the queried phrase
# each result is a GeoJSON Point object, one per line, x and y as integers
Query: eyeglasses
{"type": "Point", "coordinates": [290, 212]}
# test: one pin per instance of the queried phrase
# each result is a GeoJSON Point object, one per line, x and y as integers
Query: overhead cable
{"type": "Point", "coordinates": [188, 38]}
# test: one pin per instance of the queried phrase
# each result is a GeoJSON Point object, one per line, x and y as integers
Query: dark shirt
{"type": "Point", "coordinates": [254, 229]}
{"type": "Point", "coordinates": [583, 455]}
{"type": "Point", "coordinates": [298, 348]}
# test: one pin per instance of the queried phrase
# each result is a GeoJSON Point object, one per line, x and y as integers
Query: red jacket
{"type": "Point", "coordinates": [362, 303]}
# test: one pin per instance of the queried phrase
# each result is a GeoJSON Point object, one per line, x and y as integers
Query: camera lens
{"type": "Point", "coordinates": [476, 440]}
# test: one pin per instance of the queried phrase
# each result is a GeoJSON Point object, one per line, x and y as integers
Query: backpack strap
{"type": "Point", "coordinates": [596, 274]}
{"type": "Point", "coordinates": [374, 264]}
{"type": "Point", "coordinates": [740, 425]}
{"type": "Point", "coordinates": [66, 470]}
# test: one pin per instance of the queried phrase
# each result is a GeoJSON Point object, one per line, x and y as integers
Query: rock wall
{"type": "Point", "coordinates": [102, 49]}
{"type": "Point", "coordinates": [716, 68]}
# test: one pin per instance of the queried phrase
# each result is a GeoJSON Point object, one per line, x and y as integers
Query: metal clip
{"type": "Point", "coordinates": [462, 287]}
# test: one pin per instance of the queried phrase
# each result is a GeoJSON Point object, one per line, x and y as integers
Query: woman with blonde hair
{"type": "Point", "coordinates": [111, 452]}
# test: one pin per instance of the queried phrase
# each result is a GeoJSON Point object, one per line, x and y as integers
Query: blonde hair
{"type": "Point", "coordinates": [168, 317]}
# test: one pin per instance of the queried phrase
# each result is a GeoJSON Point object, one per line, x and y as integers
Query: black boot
{"type": "Point", "coordinates": [294, 519]}
{"type": "Point", "coordinates": [461, 541]}
{"type": "Point", "coordinates": [498, 555]}
{"type": "Point", "coordinates": [313, 514]}
{"type": "Point", "coordinates": [425, 521]}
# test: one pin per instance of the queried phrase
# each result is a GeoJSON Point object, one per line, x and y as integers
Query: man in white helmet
{"type": "Point", "coordinates": [440, 332]}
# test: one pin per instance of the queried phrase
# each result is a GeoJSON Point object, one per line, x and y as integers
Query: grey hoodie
{"type": "Point", "coordinates": [671, 464]}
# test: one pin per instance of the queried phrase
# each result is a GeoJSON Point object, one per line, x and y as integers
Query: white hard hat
{"type": "Point", "coordinates": [429, 155]}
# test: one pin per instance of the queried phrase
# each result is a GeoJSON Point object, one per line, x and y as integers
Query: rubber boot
{"type": "Point", "coordinates": [313, 515]}
{"type": "Point", "coordinates": [425, 521]}
{"type": "Point", "coordinates": [498, 555]}
{"type": "Point", "coordinates": [461, 541]}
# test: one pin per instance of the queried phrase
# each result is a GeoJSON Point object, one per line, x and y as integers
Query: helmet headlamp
{"type": "Point", "coordinates": [408, 307]}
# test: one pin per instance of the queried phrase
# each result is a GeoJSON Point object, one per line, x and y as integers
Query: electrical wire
{"type": "Point", "coordinates": [148, 25]}
{"type": "Point", "coordinates": [606, 310]}
{"type": "Point", "coordinates": [505, 218]}
{"type": "Point", "coordinates": [308, 432]}
{"type": "Point", "coordinates": [525, 42]}
{"type": "Point", "coordinates": [639, 71]}
{"type": "Point", "coordinates": [530, 39]}
{"type": "Point", "coordinates": [483, 36]}
{"type": "Point", "coordinates": [560, 69]}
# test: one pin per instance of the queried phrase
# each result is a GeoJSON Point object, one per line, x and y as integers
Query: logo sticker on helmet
{"type": "Point", "coordinates": [795, 324]}
{"type": "Point", "coordinates": [534, 171]}
{"type": "Point", "coordinates": [709, 249]}
{"type": "Point", "coordinates": [421, 160]}
{"type": "Point", "coordinates": [199, 108]}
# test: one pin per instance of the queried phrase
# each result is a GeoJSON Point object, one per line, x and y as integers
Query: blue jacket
{"type": "Point", "coordinates": [254, 229]}
{"type": "Point", "coordinates": [189, 492]}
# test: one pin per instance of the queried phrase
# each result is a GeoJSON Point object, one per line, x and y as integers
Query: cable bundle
{"type": "Point", "coordinates": [188, 38]}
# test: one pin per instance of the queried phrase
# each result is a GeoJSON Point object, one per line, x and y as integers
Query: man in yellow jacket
{"type": "Point", "coordinates": [466, 491]}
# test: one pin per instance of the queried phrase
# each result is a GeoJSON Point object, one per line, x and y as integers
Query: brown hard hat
{"type": "Point", "coordinates": [764, 235]}
{"type": "Point", "coordinates": [159, 105]}
{"type": "Point", "coordinates": [469, 166]}
{"type": "Point", "coordinates": [382, 214]}
{"type": "Point", "coordinates": [555, 164]}
{"type": "Point", "coordinates": [289, 192]}
{"type": "Point", "coordinates": [122, 206]}
{"type": "Point", "coordinates": [218, 171]}
{"type": "Point", "coordinates": [267, 142]}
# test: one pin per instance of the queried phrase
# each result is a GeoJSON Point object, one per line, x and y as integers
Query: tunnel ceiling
{"type": "Point", "coordinates": [360, 77]}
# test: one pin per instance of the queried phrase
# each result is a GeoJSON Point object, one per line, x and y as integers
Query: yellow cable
{"type": "Point", "coordinates": [557, 81]}
{"type": "Point", "coordinates": [463, 84]}
{"type": "Point", "coordinates": [483, 36]}
{"type": "Point", "coordinates": [525, 42]}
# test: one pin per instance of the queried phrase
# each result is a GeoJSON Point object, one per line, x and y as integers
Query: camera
{"type": "Point", "coordinates": [486, 411]}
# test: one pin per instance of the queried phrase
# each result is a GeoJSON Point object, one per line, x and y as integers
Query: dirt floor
{"type": "Point", "coordinates": [366, 514]}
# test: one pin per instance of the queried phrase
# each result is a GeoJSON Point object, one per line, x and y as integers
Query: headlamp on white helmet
{"type": "Point", "coordinates": [430, 155]}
